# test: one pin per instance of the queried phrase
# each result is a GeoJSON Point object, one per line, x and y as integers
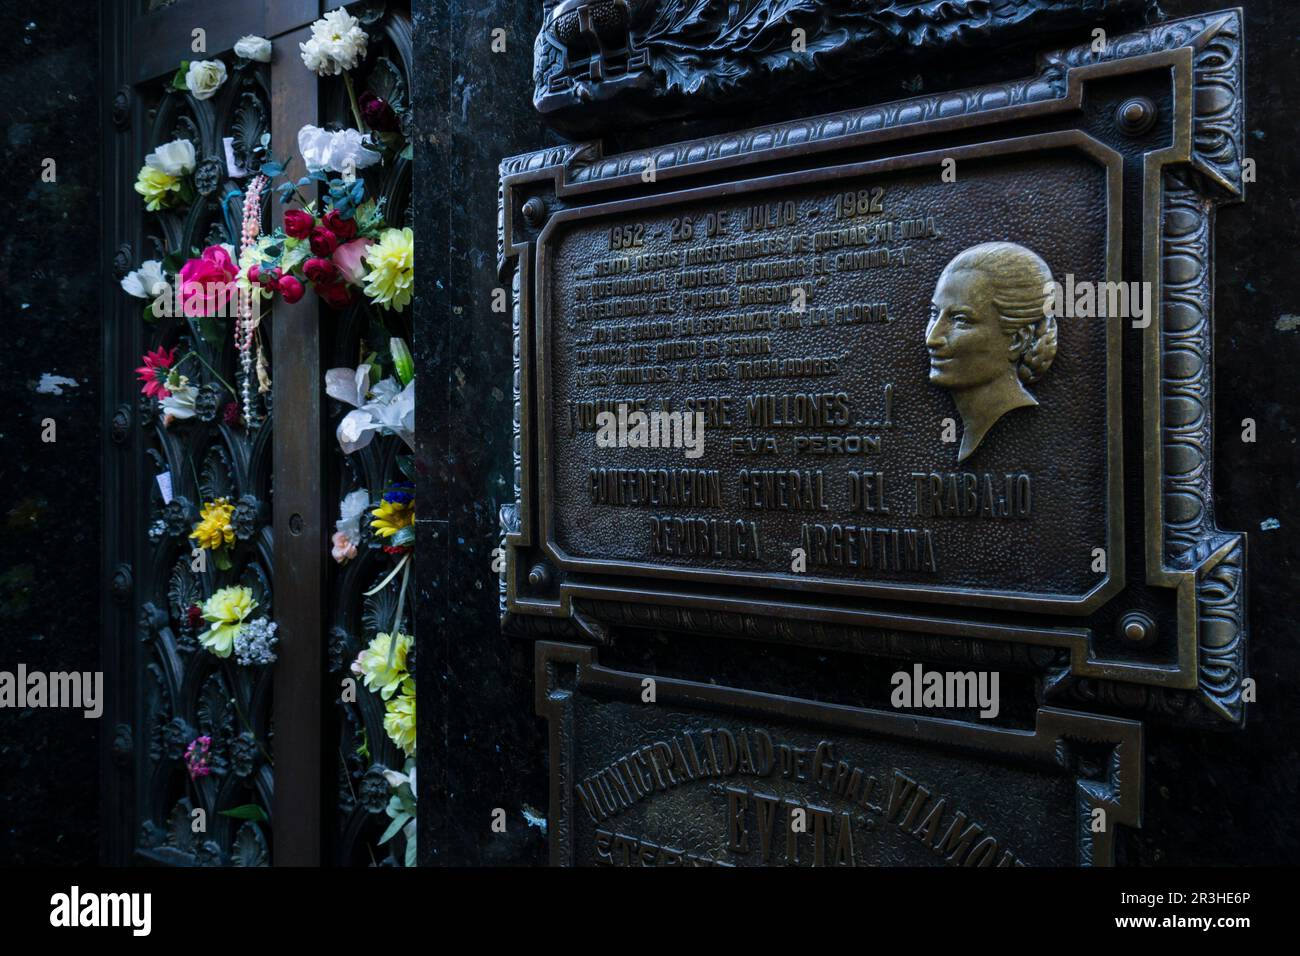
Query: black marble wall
{"type": "Point", "coordinates": [1212, 798]}
{"type": "Point", "coordinates": [50, 577]}
{"type": "Point", "coordinates": [481, 748]}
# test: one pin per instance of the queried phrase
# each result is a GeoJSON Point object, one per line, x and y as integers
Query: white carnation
{"type": "Point", "coordinates": [338, 152]}
{"type": "Point", "coordinates": [254, 48]}
{"type": "Point", "coordinates": [204, 78]}
{"type": "Point", "coordinates": [337, 44]}
{"type": "Point", "coordinates": [175, 158]}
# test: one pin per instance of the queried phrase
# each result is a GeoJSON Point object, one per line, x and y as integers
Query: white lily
{"type": "Point", "coordinates": [385, 407]}
{"type": "Point", "coordinates": [147, 282]}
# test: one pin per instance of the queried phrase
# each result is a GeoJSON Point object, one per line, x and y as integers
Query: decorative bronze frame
{"type": "Point", "coordinates": [565, 673]}
{"type": "Point", "coordinates": [1180, 186]}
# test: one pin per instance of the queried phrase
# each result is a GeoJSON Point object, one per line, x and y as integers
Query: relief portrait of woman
{"type": "Point", "coordinates": [990, 334]}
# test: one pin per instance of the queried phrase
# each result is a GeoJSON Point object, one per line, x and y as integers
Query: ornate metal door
{"type": "Point", "coordinates": [222, 482]}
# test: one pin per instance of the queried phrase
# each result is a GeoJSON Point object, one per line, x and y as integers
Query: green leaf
{"type": "Point", "coordinates": [404, 537]}
{"type": "Point", "coordinates": [403, 363]}
{"type": "Point", "coordinates": [148, 314]}
{"type": "Point", "coordinates": [410, 852]}
{"type": "Point", "coordinates": [272, 170]}
{"type": "Point", "coordinates": [249, 811]}
{"type": "Point", "coordinates": [178, 81]}
{"type": "Point", "coordinates": [406, 464]}
{"type": "Point", "coordinates": [394, 828]}
{"type": "Point", "coordinates": [408, 153]}
{"type": "Point", "coordinates": [223, 560]}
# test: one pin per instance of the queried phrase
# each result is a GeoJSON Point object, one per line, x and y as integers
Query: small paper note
{"type": "Point", "coordinates": [165, 486]}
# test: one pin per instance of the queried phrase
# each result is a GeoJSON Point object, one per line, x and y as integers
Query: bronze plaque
{"type": "Point", "coordinates": [791, 318]}
{"type": "Point", "coordinates": [951, 363]}
{"type": "Point", "coordinates": [715, 776]}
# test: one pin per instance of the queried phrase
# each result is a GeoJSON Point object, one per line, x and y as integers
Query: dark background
{"type": "Point", "coordinates": [1211, 797]}
{"type": "Point", "coordinates": [50, 578]}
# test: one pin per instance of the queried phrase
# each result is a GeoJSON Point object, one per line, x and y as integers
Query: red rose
{"type": "Point", "coordinates": [343, 229]}
{"type": "Point", "coordinates": [335, 294]}
{"type": "Point", "coordinates": [321, 271]}
{"type": "Point", "coordinates": [378, 114]}
{"type": "Point", "coordinates": [230, 414]}
{"type": "Point", "coordinates": [291, 289]}
{"type": "Point", "coordinates": [194, 616]}
{"type": "Point", "coordinates": [298, 223]}
{"type": "Point", "coordinates": [270, 277]}
{"type": "Point", "coordinates": [323, 242]}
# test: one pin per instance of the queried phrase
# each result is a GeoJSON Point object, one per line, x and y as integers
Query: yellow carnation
{"type": "Point", "coordinates": [226, 611]}
{"type": "Point", "coordinates": [399, 718]}
{"type": "Point", "coordinates": [156, 187]}
{"type": "Point", "coordinates": [215, 531]}
{"type": "Point", "coordinates": [383, 665]}
{"type": "Point", "coordinates": [392, 269]}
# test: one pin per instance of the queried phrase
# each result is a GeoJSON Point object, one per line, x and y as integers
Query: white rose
{"type": "Point", "coordinates": [337, 43]}
{"type": "Point", "coordinates": [205, 78]}
{"type": "Point", "coordinates": [146, 282]}
{"type": "Point", "coordinates": [175, 158]}
{"type": "Point", "coordinates": [254, 48]}
{"type": "Point", "coordinates": [338, 152]}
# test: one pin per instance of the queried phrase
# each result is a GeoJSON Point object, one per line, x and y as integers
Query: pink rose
{"type": "Point", "coordinates": [207, 283]}
{"type": "Point", "coordinates": [348, 257]}
{"type": "Point", "coordinates": [344, 550]}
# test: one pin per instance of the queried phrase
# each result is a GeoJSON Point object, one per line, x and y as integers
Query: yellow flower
{"type": "Point", "coordinates": [392, 516]}
{"type": "Point", "coordinates": [225, 611]}
{"type": "Point", "coordinates": [156, 187]}
{"type": "Point", "coordinates": [392, 269]}
{"type": "Point", "coordinates": [383, 665]}
{"type": "Point", "coordinates": [215, 531]}
{"type": "Point", "coordinates": [399, 718]}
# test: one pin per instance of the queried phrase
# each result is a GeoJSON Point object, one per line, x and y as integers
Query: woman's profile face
{"type": "Point", "coordinates": [967, 344]}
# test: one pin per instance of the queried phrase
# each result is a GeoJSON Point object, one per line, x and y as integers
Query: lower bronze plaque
{"type": "Point", "coordinates": [714, 776]}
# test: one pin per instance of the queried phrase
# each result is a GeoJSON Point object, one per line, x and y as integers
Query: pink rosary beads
{"type": "Point", "coordinates": [247, 323]}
